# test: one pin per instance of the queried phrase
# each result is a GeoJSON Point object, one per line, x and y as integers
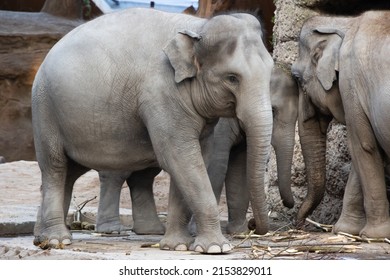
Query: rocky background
{"type": "Point", "coordinates": [26, 36]}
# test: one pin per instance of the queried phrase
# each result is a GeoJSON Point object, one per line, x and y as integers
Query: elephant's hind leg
{"type": "Point", "coordinates": [50, 229]}
{"type": "Point", "coordinates": [144, 209]}
{"type": "Point", "coordinates": [108, 219]}
{"type": "Point", "coordinates": [353, 217]}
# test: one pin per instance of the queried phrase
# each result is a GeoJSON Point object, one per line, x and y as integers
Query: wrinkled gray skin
{"type": "Point", "coordinates": [113, 98]}
{"type": "Point", "coordinates": [343, 69]}
{"type": "Point", "coordinates": [228, 161]}
{"type": "Point", "coordinates": [144, 213]}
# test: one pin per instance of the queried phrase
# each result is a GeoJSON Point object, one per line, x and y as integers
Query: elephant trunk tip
{"type": "Point", "coordinates": [252, 226]}
{"type": "Point", "coordinates": [288, 202]}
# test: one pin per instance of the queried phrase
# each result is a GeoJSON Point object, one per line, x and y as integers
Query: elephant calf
{"type": "Point", "coordinates": [140, 89]}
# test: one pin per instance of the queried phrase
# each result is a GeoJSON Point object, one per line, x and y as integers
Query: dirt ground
{"type": "Point", "coordinates": [20, 197]}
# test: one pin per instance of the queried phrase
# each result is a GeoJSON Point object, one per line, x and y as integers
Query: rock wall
{"type": "Point", "coordinates": [25, 39]}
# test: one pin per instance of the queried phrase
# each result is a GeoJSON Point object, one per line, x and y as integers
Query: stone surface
{"type": "Point", "coordinates": [25, 39]}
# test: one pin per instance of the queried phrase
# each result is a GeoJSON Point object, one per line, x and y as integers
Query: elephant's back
{"type": "Point", "coordinates": [114, 47]}
{"type": "Point", "coordinates": [129, 31]}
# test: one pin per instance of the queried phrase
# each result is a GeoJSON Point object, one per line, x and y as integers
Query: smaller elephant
{"type": "Point", "coordinates": [343, 69]}
{"type": "Point", "coordinates": [144, 213]}
{"type": "Point", "coordinates": [228, 161]}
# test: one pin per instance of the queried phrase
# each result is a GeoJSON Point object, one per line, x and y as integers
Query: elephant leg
{"type": "Point", "coordinates": [191, 192]}
{"type": "Point", "coordinates": [74, 172]}
{"type": "Point", "coordinates": [177, 237]}
{"type": "Point", "coordinates": [215, 152]}
{"type": "Point", "coordinates": [108, 219]}
{"type": "Point", "coordinates": [144, 209]}
{"type": "Point", "coordinates": [237, 193]}
{"type": "Point", "coordinates": [353, 217]}
{"type": "Point", "coordinates": [50, 229]}
{"type": "Point", "coordinates": [368, 162]}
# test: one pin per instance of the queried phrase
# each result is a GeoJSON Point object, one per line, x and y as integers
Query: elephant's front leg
{"type": "Point", "coordinates": [369, 165]}
{"type": "Point", "coordinates": [352, 218]}
{"type": "Point", "coordinates": [177, 237]}
{"type": "Point", "coordinates": [191, 192]}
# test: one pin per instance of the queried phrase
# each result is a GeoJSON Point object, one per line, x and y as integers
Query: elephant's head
{"type": "Point", "coordinates": [227, 68]}
{"type": "Point", "coordinates": [284, 100]}
{"type": "Point", "coordinates": [317, 70]}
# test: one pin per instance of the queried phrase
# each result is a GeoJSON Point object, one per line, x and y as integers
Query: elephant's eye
{"type": "Point", "coordinates": [233, 79]}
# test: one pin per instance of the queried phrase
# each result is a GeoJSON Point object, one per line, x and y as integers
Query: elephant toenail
{"type": "Point", "coordinates": [54, 242]}
{"type": "Point", "coordinates": [66, 241]}
{"type": "Point", "coordinates": [181, 247]}
{"type": "Point", "coordinates": [214, 249]}
{"type": "Point", "coordinates": [199, 249]}
{"type": "Point", "coordinates": [226, 248]}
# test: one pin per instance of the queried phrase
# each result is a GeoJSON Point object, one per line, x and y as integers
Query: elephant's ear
{"type": "Point", "coordinates": [326, 56]}
{"type": "Point", "coordinates": [181, 55]}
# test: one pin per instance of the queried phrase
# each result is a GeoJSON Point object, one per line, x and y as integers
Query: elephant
{"type": "Point", "coordinates": [228, 160]}
{"type": "Point", "coordinates": [142, 88]}
{"type": "Point", "coordinates": [342, 71]}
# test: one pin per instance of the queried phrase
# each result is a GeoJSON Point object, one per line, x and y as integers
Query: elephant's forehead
{"type": "Point", "coordinates": [229, 43]}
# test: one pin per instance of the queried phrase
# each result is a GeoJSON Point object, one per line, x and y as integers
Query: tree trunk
{"type": "Point", "coordinates": [71, 9]}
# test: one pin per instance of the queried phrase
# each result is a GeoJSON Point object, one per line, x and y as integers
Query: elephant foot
{"type": "Point", "coordinates": [379, 231]}
{"type": "Point", "coordinates": [111, 227]}
{"type": "Point", "coordinates": [56, 237]}
{"type": "Point", "coordinates": [147, 227]}
{"type": "Point", "coordinates": [176, 242]}
{"type": "Point", "coordinates": [237, 227]}
{"type": "Point", "coordinates": [202, 244]}
{"type": "Point", "coordinates": [349, 224]}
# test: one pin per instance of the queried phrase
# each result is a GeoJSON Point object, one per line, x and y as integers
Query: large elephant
{"type": "Point", "coordinates": [228, 160]}
{"type": "Point", "coordinates": [343, 69]}
{"type": "Point", "coordinates": [141, 88]}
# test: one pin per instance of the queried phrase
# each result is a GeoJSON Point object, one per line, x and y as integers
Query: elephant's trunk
{"type": "Point", "coordinates": [283, 140]}
{"type": "Point", "coordinates": [312, 133]}
{"type": "Point", "coordinates": [255, 116]}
